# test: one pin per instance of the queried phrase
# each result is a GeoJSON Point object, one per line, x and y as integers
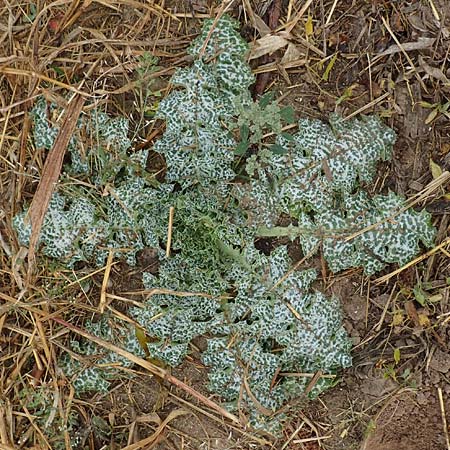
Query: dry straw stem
{"type": "Point", "coordinates": [169, 231]}
{"type": "Point", "coordinates": [275, 66]}
{"type": "Point", "coordinates": [368, 106]}
{"type": "Point", "coordinates": [289, 26]}
{"type": "Point", "coordinates": [444, 417]}
{"type": "Point", "coordinates": [262, 409]}
{"type": "Point", "coordinates": [155, 370]}
{"type": "Point", "coordinates": [315, 439]}
{"type": "Point", "coordinates": [330, 14]}
{"type": "Point", "coordinates": [380, 323]}
{"type": "Point", "coordinates": [255, 20]}
{"type": "Point", "coordinates": [435, 11]}
{"type": "Point", "coordinates": [15, 303]}
{"type": "Point", "coordinates": [103, 293]}
{"type": "Point", "coordinates": [89, 275]}
{"type": "Point", "coordinates": [292, 436]}
{"type": "Point", "coordinates": [33, 75]}
{"type": "Point", "coordinates": [3, 425]}
{"type": "Point", "coordinates": [420, 197]}
{"type": "Point", "coordinates": [294, 268]}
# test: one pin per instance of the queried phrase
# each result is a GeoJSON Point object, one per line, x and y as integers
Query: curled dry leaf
{"type": "Point", "coordinates": [433, 72]}
{"type": "Point", "coordinates": [292, 54]}
{"type": "Point", "coordinates": [268, 44]}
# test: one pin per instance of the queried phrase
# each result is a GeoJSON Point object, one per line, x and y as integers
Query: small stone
{"type": "Point", "coordinates": [421, 398]}
{"type": "Point", "coordinates": [440, 361]}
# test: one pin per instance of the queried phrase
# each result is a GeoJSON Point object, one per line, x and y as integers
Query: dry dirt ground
{"type": "Point", "coordinates": [389, 58]}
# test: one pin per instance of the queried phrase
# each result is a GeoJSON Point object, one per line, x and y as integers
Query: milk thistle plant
{"type": "Point", "coordinates": [228, 187]}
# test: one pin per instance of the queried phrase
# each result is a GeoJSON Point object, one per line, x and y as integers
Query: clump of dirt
{"type": "Point", "coordinates": [409, 420]}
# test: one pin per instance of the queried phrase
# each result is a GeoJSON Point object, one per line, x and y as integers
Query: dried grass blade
{"type": "Point", "coordinates": [435, 11]}
{"type": "Point", "coordinates": [52, 169]}
{"type": "Point", "coordinates": [4, 439]}
{"type": "Point", "coordinates": [291, 25]}
{"type": "Point", "coordinates": [262, 409]}
{"type": "Point", "coordinates": [4, 309]}
{"type": "Point", "coordinates": [150, 441]}
{"type": "Point", "coordinates": [216, 419]}
{"type": "Point", "coordinates": [224, 7]}
{"type": "Point", "coordinates": [103, 292]}
{"type": "Point", "coordinates": [40, 76]}
{"type": "Point", "coordinates": [169, 231]}
{"type": "Point", "coordinates": [444, 417]}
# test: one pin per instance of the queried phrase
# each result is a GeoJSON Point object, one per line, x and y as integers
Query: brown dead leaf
{"type": "Point", "coordinates": [50, 174]}
{"type": "Point", "coordinates": [256, 20]}
{"type": "Point", "coordinates": [420, 44]}
{"type": "Point", "coordinates": [326, 170]}
{"type": "Point", "coordinates": [292, 54]}
{"type": "Point", "coordinates": [309, 26]}
{"type": "Point", "coordinates": [412, 313]}
{"type": "Point", "coordinates": [433, 72]}
{"type": "Point", "coordinates": [199, 6]}
{"type": "Point", "coordinates": [268, 44]}
{"type": "Point", "coordinates": [261, 26]}
{"type": "Point", "coordinates": [103, 299]}
{"type": "Point", "coordinates": [435, 169]}
{"type": "Point", "coordinates": [445, 149]}
{"type": "Point", "coordinates": [261, 408]}
{"type": "Point", "coordinates": [396, 23]}
{"type": "Point", "coordinates": [416, 22]}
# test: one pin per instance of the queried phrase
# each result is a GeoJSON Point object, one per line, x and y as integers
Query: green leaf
{"type": "Point", "coordinates": [420, 295]}
{"type": "Point", "coordinates": [245, 132]}
{"type": "Point", "coordinates": [278, 149]}
{"type": "Point", "coordinates": [142, 339]}
{"type": "Point", "coordinates": [58, 71]}
{"type": "Point", "coordinates": [266, 99]}
{"type": "Point", "coordinates": [288, 114]}
{"type": "Point", "coordinates": [329, 67]}
{"type": "Point", "coordinates": [397, 355]}
{"type": "Point", "coordinates": [241, 148]}
{"type": "Point", "coordinates": [287, 136]}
